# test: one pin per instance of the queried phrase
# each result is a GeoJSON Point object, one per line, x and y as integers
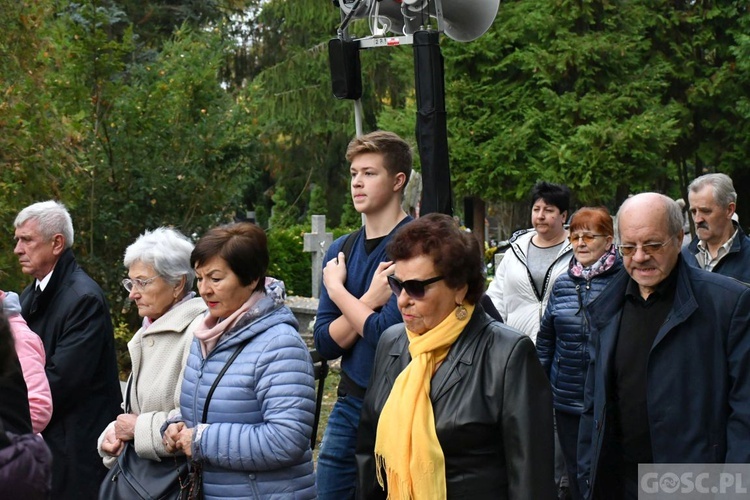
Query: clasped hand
{"type": "Point", "coordinates": [179, 437]}
{"type": "Point", "coordinates": [122, 430]}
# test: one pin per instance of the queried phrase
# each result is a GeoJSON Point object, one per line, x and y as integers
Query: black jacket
{"type": "Point", "coordinates": [72, 318]}
{"type": "Point", "coordinates": [493, 413]}
{"type": "Point", "coordinates": [25, 465]}
{"type": "Point", "coordinates": [14, 398]}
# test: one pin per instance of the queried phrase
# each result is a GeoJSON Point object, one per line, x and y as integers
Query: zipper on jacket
{"type": "Point", "coordinates": [196, 413]}
{"type": "Point", "coordinates": [585, 323]}
{"type": "Point", "coordinates": [548, 275]}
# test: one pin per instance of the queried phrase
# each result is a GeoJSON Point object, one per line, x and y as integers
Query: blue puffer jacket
{"type": "Point", "coordinates": [257, 443]}
{"type": "Point", "coordinates": [562, 343]}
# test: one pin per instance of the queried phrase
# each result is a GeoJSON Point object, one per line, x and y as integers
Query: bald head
{"type": "Point", "coordinates": [649, 228]}
{"type": "Point", "coordinates": [656, 205]}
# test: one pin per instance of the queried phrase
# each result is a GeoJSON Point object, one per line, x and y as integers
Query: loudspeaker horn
{"type": "Point", "coordinates": [462, 20]}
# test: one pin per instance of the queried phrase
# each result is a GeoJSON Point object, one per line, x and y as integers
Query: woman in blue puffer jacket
{"type": "Point", "coordinates": [562, 342]}
{"type": "Point", "coordinates": [255, 439]}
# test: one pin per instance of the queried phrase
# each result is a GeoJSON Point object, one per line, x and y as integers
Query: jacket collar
{"type": "Point", "coordinates": [520, 241]}
{"type": "Point", "coordinates": [606, 308]}
{"type": "Point", "coordinates": [64, 267]}
{"type": "Point", "coordinates": [456, 364]}
{"type": "Point", "coordinates": [685, 302]}
{"type": "Point", "coordinates": [178, 318]}
{"type": "Point", "coordinates": [739, 240]}
{"type": "Point", "coordinates": [737, 243]}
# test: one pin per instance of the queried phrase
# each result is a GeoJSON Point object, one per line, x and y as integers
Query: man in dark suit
{"type": "Point", "coordinates": [670, 345]}
{"type": "Point", "coordinates": [70, 313]}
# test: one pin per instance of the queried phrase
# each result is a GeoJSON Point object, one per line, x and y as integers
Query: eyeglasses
{"type": "Point", "coordinates": [136, 283]}
{"type": "Point", "coordinates": [414, 288]}
{"type": "Point", "coordinates": [648, 248]}
{"type": "Point", "coordinates": [587, 238]}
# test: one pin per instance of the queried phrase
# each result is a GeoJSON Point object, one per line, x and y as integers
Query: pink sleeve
{"type": "Point", "coordinates": [30, 352]}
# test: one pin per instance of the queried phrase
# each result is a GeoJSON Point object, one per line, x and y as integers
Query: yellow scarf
{"type": "Point", "coordinates": [406, 443]}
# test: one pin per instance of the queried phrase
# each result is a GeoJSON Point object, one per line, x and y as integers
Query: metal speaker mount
{"type": "Point", "coordinates": [461, 20]}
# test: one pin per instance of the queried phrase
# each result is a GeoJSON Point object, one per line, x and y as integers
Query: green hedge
{"type": "Point", "coordinates": [289, 262]}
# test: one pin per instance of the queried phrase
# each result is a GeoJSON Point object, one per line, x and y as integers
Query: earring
{"type": "Point", "coordinates": [461, 312]}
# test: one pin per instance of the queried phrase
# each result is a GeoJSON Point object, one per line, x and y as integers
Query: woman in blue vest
{"type": "Point", "coordinates": [562, 342]}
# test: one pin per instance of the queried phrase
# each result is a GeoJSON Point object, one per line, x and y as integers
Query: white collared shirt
{"type": "Point", "coordinates": [45, 281]}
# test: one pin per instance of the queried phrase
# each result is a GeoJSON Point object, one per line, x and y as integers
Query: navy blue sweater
{"type": "Point", "coordinates": [356, 361]}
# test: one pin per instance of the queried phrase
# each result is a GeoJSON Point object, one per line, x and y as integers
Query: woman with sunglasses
{"type": "Point", "coordinates": [459, 405]}
{"type": "Point", "coordinates": [562, 342]}
{"type": "Point", "coordinates": [159, 282]}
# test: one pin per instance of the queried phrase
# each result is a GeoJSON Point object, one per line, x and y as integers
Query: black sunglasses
{"type": "Point", "coordinates": [414, 288]}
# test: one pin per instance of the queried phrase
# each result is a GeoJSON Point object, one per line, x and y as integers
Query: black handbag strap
{"type": "Point", "coordinates": [221, 374]}
{"type": "Point", "coordinates": [127, 393]}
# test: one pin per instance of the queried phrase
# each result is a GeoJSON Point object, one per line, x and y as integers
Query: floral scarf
{"type": "Point", "coordinates": [603, 264]}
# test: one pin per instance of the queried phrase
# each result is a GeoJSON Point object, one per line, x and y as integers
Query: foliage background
{"type": "Point", "coordinates": [167, 112]}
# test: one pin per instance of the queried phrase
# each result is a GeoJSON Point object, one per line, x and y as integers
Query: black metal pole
{"type": "Point", "coordinates": [432, 129]}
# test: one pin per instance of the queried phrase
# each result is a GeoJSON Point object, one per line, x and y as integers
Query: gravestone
{"type": "Point", "coordinates": [498, 257]}
{"type": "Point", "coordinates": [317, 242]}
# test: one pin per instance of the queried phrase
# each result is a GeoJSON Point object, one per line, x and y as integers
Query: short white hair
{"type": "Point", "coordinates": [53, 218]}
{"type": "Point", "coordinates": [167, 251]}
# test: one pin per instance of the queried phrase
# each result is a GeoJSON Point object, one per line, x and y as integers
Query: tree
{"type": "Point", "coordinates": [701, 41]}
{"type": "Point", "coordinates": [38, 145]}
{"type": "Point", "coordinates": [318, 205]}
{"type": "Point", "coordinates": [154, 141]}
{"type": "Point", "coordinates": [565, 92]}
{"type": "Point", "coordinates": [282, 76]}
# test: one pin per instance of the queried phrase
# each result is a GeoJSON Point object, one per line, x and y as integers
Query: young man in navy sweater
{"type": "Point", "coordinates": [356, 304]}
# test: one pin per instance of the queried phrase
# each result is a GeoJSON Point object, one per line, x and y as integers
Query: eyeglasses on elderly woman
{"type": "Point", "coordinates": [414, 288]}
{"type": "Point", "coordinates": [136, 283]}
{"type": "Point", "coordinates": [587, 238]}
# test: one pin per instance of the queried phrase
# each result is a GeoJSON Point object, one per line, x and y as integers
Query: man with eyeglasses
{"type": "Point", "coordinates": [70, 313]}
{"type": "Point", "coordinates": [721, 246]}
{"type": "Point", "coordinates": [670, 348]}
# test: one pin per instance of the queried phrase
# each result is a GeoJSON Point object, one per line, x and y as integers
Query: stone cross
{"type": "Point", "coordinates": [317, 242]}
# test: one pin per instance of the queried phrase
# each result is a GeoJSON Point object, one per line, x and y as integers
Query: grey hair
{"type": "Point", "coordinates": [724, 192]}
{"type": "Point", "coordinates": [674, 216]}
{"type": "Point", "coordinates": [673, 211]}
{"type": "Point", "coordinates": [53, 218]}
{"type": "Point", "coordinates": [167, 251]}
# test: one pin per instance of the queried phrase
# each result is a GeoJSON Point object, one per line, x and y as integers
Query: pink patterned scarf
{"type": "Point", "coordinates": [604, 263]}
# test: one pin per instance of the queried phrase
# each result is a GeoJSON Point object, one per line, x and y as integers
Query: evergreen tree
{"type": "Point", "coordinates": [566, 92]}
